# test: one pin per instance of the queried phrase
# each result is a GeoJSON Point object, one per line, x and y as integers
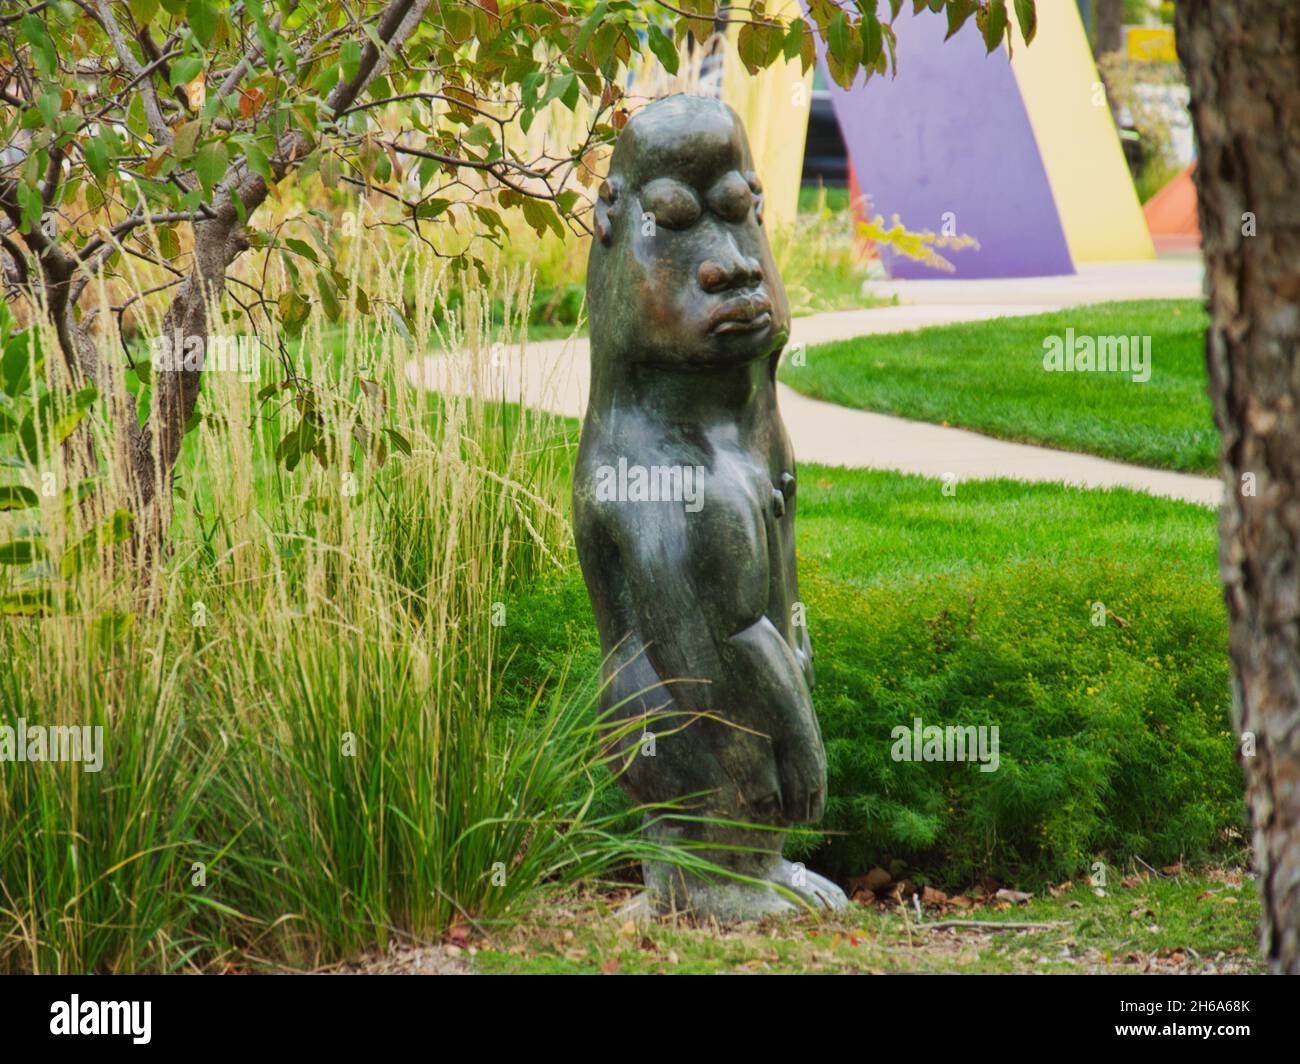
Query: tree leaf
{"type": "Point", "coordinates": [20, 552]}
{"type": "Point", "coordinates": [16, 497]}
{"type": "Point", "coordinates": [185, 138]}
{"type": "Point", "coordinates": [958, 12]}
{"type": "Point", "coordinates": [202, 18]}
{"type": "Point", "coordinates": [399, 441]}
{"type": "Point", "coordinates": [186, 69]}
{"type": "Point", "coordinates": [872, 38]}
{"type": "Point", "coordinates": [1027, 16]}
{"type": "Point", "coordinates": [210, 165]}
{"type": "Point", "coordinates": [664, 49]}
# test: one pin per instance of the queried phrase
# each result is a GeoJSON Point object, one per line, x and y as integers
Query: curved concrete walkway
{"type": "Point", "coordinates": [556, 376]}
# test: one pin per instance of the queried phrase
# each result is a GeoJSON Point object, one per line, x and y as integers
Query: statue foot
{"type": "Point", "coordinates": [637, 908]}
{"type": "Point", "coordinates": [817, 891]}
{"type": "Point", "coordinates": [727, 901]}
{"type": "Point", "coordinates": [733, 901]}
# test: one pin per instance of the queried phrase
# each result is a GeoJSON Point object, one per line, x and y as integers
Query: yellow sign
{"type": "Point", "coordinates": [1151, 44]}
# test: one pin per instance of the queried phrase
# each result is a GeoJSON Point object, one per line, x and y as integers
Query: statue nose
{"type": "Point", "coordinates": [734, 271]}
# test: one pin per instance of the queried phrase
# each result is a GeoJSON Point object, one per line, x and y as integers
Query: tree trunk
{"type": "Point", "coordinates": [1110, 26]}
{"type": "Point", "coordinates": [1243, 67]}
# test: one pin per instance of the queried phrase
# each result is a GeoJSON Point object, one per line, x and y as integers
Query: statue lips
{"type": "Point", "coordinates": [742, 314]}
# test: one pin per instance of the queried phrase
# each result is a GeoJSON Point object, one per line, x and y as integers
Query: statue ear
{"type": "Point", "coordinates": [606, 209]}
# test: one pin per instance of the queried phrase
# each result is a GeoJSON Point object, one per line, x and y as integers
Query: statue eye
{"type": "Point", "coordinates": [671, 203]}
{"type": "Point", "coordinates": [731, 198]}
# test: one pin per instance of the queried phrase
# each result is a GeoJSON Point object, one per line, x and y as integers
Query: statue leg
{"type": "Point", "coordinates": [743, 852]}
{"type": "Point", "coordinates": [732, 775]}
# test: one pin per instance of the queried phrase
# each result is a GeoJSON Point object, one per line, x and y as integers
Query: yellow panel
{"type": "Point", "coordinates": [1151, 44]}
{"type": "Point", "coordinates": [1076, 137]}
{"type": "Point", "coordinates": [774, 105]}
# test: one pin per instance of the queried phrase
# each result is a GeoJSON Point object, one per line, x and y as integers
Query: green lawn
{"type": "Point", "coordinates": [990, 377]}
{"type": "Point", "coordinates": [1168, 924]}
{"type": "Point", "coordinates": [978, 609]}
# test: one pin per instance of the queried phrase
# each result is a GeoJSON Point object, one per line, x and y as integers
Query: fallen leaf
{"type": "Point", "coordinates": [932, 897]}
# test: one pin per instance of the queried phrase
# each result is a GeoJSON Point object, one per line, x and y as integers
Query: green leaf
{"type": "Point", "coordinates": [541, 216]}
{"type": "Point", "coordinates": [664, 49]}
{"type": "Point", "coordinates": [186, 69]}
{"type": "Point", "coordinates": [168, 243]}
{"type": "Point", "coordinates": [301, 247]}
{"type": "Point", "coordinates": [27, 603]}
{"type": "Point", "coordinates": [117, 529]}
{"type": "Point", "coordinates": [331, 170]}
{"type": "Point", "coordinates": [350, 55]}
{"type": "Point", "coordinates": [112, 627]}
{"type": "Point", "coordinates": [47, 60]}
{"type": "Point", "coordinates": [992, 22]}
{"type": "Point", "coordinates": [399, 323]}
{"type": "Point", "coordinates": [294, 310]}
{"type": "Point", "coordinates": [16, 497]}
{"type": "Point", "coordinates": [1027, 16]}
{"type": "Point", "coordinates": [17, 362]}
{"type": "Point", "coordinates": [589, 27]}
{"type": "Point", "coordinates": [431, 208]}
{"type": "Point", "coordinates": [750, 48]}
{"type": "Point", "coordinates": [96, 154]}
{"type": "Point", "coordinates": [210, 165]}
{"type": "Point", "coordinates": [20, 552]}
{"type": "Point", "coordinates": [837, 36]}
{"type": "Point", "coordinates": [958, 12]}
{"type": "Point", "coordinates": [29, 200]}
{"type": "Point", "coordinates": [185, 139]}
{"type": "Point", "coordinates": [872, 38]}
{"type": "Point", "coordinates": [329, 298]}
{"type": "Point", "coordinates": [794, 39]}
{"type": "Point", "coordinates": [202, 17]}
{"type": "Point", "coordinates": [400, 442]}
{"type": "Point", "coordinates": [69, 420]}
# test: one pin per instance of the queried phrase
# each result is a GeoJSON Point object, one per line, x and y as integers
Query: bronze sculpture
{"type": "Point", "coordinates": [684, 505]}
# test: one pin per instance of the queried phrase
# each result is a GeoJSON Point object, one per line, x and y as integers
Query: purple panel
{"type": "Point", "coordinates": [950, 133]}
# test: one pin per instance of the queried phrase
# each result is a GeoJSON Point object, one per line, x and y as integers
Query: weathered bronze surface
{"type": "Point", "coordinates": [684, 504]}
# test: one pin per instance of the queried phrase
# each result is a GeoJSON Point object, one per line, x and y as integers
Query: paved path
{"type": "Point", "coordinates": [556, 376]}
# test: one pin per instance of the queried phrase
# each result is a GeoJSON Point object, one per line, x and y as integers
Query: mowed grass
{"type": "Point", "coordinates": [990, 377]}
{"type": "Point", "coordinates": [980, 609]}
{"type": "Point", "coordinates": [1180, 923]}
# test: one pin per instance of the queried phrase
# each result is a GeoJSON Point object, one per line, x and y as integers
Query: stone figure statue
{"type": "Point", "coordinates": [684, 505]}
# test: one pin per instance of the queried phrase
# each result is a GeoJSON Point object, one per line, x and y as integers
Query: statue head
{"type": "Point", "coordinates": [681, 273]}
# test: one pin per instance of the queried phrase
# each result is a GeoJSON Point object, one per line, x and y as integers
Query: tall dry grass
{"type": "Point", "coordinates": [301, 756]}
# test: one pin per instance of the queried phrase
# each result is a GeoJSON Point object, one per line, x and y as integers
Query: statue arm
{"type": "Point", "coordinates": [701, 613]}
